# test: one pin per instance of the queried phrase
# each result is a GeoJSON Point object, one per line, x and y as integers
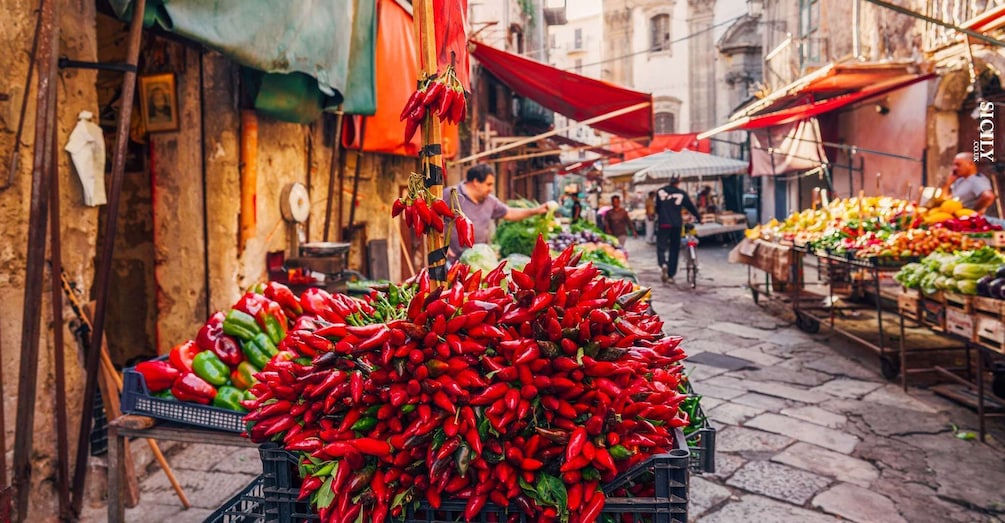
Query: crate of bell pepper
{"type": "Point", "coordinates": [203, 381]}
{"type": "Point", "coordinates": [548, 392]}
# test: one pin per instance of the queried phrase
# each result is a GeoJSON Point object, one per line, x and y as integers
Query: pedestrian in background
{"type": "Point", "coordinates": [651, 218]}
{"type": "Point", "coordinates": [670, 199]}
{"type": "Point", "coordinates": [617, 223]}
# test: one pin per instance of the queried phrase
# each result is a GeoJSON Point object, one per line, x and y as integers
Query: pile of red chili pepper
{"type": "Point", "coordinates": [218, 366]}
{"type": "Point", "coordinates": [442, 95]}
{"type": "Point", "coordinates": [527, 390]}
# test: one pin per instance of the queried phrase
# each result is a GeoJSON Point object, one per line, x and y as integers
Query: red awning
{"type": "Point", "coordinates": [827, 82]}
{"type": "Point", "coordinates": [809, 110]}
{"type": "Point", "coordinates": [574, 96]}
{"type": "Point", "coordinates": [989, 21]}
{"type": "Point", "coordinates": [631, 150]}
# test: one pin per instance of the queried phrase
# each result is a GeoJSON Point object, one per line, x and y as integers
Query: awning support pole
{"type": "Point", "coordinates": [332, 171]}
{"type": "Point", "coordinates": [553, 132]}
{"type": "Point", "coordinates": [104, 269]}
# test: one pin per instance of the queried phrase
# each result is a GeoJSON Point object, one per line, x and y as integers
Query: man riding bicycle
{"type": "Point", "coordinates": [670, 199]}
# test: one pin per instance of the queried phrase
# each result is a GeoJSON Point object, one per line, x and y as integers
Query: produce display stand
{"type": "Point", "coordinates": [849, 278]}
{"type": "Point", "coordinates": [129, 426]}
{"type": "Point", "coordinates": [974, 321]}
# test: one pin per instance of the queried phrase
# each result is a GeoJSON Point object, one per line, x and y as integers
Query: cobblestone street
{"type": "Point", "coordinates": [808, 429]}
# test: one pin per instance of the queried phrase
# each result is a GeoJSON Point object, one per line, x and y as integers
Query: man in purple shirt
{"type": "Point", "coordinates": [482, 207]}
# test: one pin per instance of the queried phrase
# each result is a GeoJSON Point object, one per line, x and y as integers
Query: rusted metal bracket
{"type": "Point", "coordinates": [66, 63]}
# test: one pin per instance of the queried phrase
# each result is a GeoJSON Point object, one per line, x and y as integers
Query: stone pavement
{"type": "Point", "coordinates": [808, 429]}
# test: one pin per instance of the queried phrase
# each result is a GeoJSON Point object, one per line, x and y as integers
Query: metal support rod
{"type": "Point", "coordinates": [45, 120]}
{"type": "Point", "coordinates": [59, 359]}
{"type": "Point", "coordinates": [856, 30]}
{"type": "Point", "coordinates": [332, 169]}
{"type": "Point", "coordinates": [104, 268]}
{"type": "Point", "coordinates": [66, 63]}
{"type": "Point", "coordinates": [15, 154]}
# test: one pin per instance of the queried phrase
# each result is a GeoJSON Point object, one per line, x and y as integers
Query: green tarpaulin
{"type": "Point", "coordinates": [329, 41]}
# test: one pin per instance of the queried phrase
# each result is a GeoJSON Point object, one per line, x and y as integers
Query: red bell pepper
{"type": "Point", "coordinates": [181, 355]}
{"type": "Point", "coordinates": [158, 374]}
{"type": "Point", "coordinates": [210, 331]}
{"type": "Point", "coordinates": [194, 389]}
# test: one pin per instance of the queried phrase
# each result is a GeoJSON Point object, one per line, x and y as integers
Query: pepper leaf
{"type": "Point", "coordinates": [551, 491]}
{"type": "Point", "coordinates": [325, 496]}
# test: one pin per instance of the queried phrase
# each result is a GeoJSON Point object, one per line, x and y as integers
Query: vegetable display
{"type": "Point", "coordinates": [219, 365]}
{"type": "Point", "coordinates": [526, 390]}
{"type": "Point", "coordinates": [965, 272]}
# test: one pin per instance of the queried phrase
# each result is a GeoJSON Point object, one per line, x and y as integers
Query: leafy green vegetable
{"type": "Point", "coordinates": [520, 236]}
{"type": "Point", "coordinates": [480, 257]}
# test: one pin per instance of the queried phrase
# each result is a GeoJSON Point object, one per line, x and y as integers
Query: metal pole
{"type": "Point", "coordinates": [59, 360]}
{"type": "Point", "coordinates": [45, 121]}
{"type": "Point", "coordinates": [104, 268]}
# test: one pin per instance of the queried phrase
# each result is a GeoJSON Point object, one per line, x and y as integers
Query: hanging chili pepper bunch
{"type": "Point", "coordinates": [442, 95]}
{"type": "Point", "coordinates": [424, 212]}
{"type": "Point", "coordinates": [527, 392]}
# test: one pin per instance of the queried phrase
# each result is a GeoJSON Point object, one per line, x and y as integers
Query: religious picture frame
{"type": "Point", "coordinates": [158, 99]}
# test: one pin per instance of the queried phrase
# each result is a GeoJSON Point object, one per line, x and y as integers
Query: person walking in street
{"type": "Point", "coordinates": [651, 218]}
{"type": "Point", "coordinates": [972, 188]}
{"type": "Point", "coordinates": [482, 207]}
{"type": "Point", "coordinates": [617, 223]}
{"type": "Point", "coordinates": [670, 199]}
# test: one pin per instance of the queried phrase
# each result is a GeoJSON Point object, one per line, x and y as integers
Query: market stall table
{"type": "Point", "coordinates": [130, 426]}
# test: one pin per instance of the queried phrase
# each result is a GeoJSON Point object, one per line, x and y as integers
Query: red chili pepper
{"type": "Point", "coordinates": [593, 507]}
{"type": "Point", "coordinates": [371, 447]}
{"type": "Point", "coordinates": [410, 105]}
{"type": "Point", "coordinates": [440, 207]}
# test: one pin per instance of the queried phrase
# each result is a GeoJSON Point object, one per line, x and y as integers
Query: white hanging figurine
{"type": "Point", "coordinates": [87, 149]}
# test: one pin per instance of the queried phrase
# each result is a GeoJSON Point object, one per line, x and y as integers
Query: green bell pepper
{"type": "Point", "coordinates": [165, 395]}
{"type": "Point", "coordinates": [241, 325]}
{"type": "Point", "coordinates": [259, 350]}
{"type": "Point", "coordinates": [229, 398]}
{"type": "Point", "coordinates": [209, 367]}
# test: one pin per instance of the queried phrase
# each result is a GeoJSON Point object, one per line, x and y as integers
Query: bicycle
{"type": "Point", "coordinates": [690, 244]}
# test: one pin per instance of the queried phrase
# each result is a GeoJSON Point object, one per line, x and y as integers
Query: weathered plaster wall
{"type": "Point", "coordinates": [75, 92]}
{"type": "Point", "coordinates": [179, 238]}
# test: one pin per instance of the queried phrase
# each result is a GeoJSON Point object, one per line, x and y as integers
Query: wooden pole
{"type": "Point", "coordinates": [431, 155]}
{"type": "Point", "coordinates": [45, 121]}
{"type": "Point", "coordinates": [249, 176]}
{"type": "Point", "coordinates": [332, 169]}
{"type": "Point", "coordinates": [104, 268]}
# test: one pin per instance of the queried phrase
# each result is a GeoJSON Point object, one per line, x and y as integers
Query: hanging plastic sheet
{"type": "Point", "coordinates": [788, 147]}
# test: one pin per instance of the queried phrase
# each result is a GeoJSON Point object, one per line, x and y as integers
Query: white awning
{"type": "Point", "coordinates": [685, 164]}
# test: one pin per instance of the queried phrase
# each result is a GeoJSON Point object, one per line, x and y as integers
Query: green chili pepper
{"type": "Point", "coordinates": [208, 366]}
{"type": "Point", "coordinates": [229, 398]}
{"type": "Point", "coordinates": [365, 424]}
{"type": "Point", "coordinates": [241, 325]}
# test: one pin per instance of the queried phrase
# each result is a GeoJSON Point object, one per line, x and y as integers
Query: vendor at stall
{"type": "Point", "coordinates": [972, 188]}
{"type": "Point", "coordinates": [617, 223]}
{"type": "Point", "coordinates": [482, 207]}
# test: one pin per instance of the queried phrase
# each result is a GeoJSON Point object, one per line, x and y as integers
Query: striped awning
{"type": "Point", "coordinates": [685, 164]}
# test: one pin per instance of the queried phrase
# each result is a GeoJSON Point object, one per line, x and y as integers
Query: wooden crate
{"type": "Point", "coordinates": [707, 218]}
{"type": "Point", "coordinates": [990, 306]}
{"type": "Point", "coordinates": [933, 314]}
{"type": "Point", "coordinates": [960, 302]}
{"type": "Point", "coordinates": [731, 218]}
{"type": "Point", "coordinates": [961, 324]}
{"type": "Point", "coordinates": [908, 305]}
{"type": "Point", "coordinates": [989, 331]}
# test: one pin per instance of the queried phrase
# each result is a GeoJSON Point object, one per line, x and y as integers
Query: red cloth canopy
{"type": "Point", "coordinates": [574, 96]}
{"type": "Point", "coordinates": [631, 150]}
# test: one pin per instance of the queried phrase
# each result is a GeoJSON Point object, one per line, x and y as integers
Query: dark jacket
{"type": "Point", "coordinates": [669, 201]}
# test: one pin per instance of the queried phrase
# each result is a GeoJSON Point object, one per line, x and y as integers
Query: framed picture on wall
{"type": "Point", "coordinates": [159, 102]}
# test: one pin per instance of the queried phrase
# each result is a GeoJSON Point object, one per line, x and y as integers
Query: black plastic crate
{"type": "Point", "coordinates": [701, 442]}
{"type": "Point", "coordinates": [136, 399]}
{"type": "Point", "coordinates": [247, 506]}
{"type": "Point", "coordinates": [669, 472]}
